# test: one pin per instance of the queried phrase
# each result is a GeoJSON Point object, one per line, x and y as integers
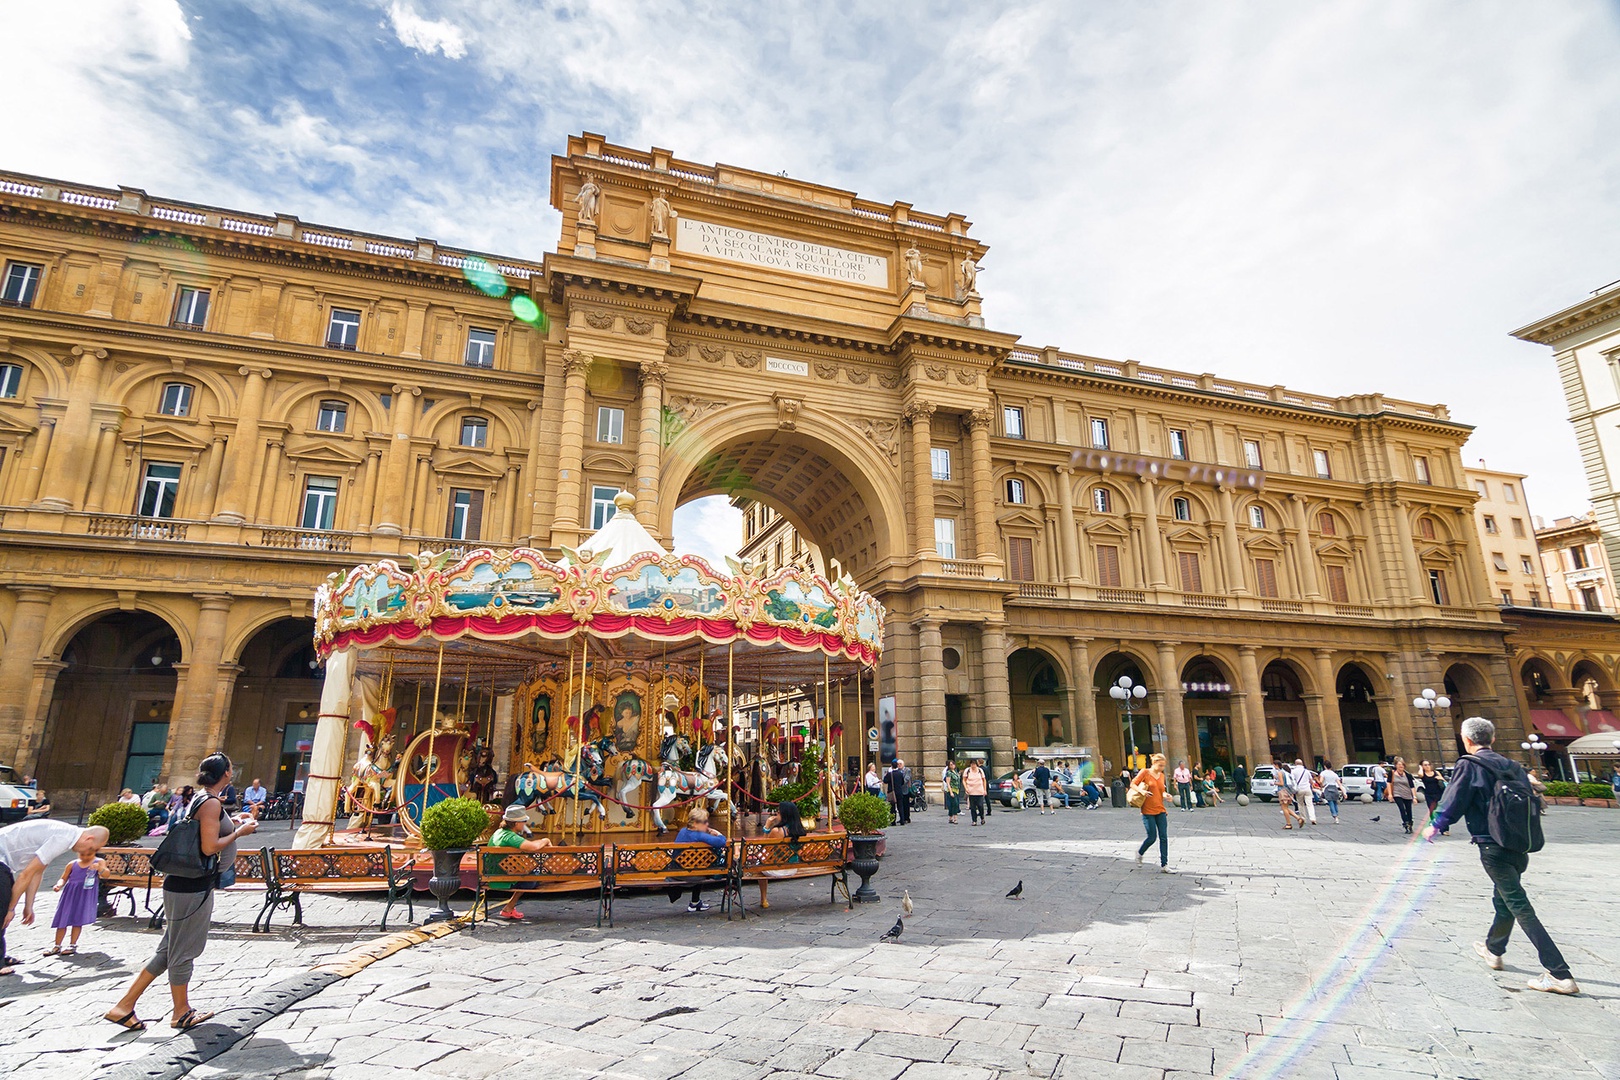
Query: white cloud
{"type": "Point", "coordinates": [424, 35]}
{"type": "Point", "coordinates": [710, 527]}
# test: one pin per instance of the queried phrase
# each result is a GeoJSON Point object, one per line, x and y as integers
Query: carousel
{"type": "Point", "coordinates": [605, 692]}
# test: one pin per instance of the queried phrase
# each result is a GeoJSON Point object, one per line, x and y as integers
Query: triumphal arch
{"type": "Point", "coordinates": [205, 411]}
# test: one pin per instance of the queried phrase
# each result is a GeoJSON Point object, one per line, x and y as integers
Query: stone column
{"type": "Point", "coordinates": [207, 497]}
{"type": "Point", "coordinates": [931, 697]}
{"type": "Point", "coordinates": [1068, 531]}
{"type": "Point", "coordinates": [1410, 568]}
{"type": "Point", "coordinates": [391, 519]}
{"type": "Point", "coordinates": [19, 741]}
{"type": "Point", "coordinates": [1253, 695]}
{"type": "Point", "coordinates": [235, 498]}
{"type": "Point", "coordinates": [1151, 540]}
{"type": "Point", "coordinates": [264, 499]}
{"type": "Point", "coordinates": [106, 449]}
{"type": "Point", "coordinates": [368, 489]}
{"type": "Point", "coordinates": [509, 518]}
{"type": "Point", "coordinates": [191, 733]}
{"type": "Point", "coordinates": [420, 525]}
{"type": "Point", "coordinates": [565, 527]}
{"type": "Point", "coordinates": [37, 460]}
{"type": "Point", "coordinates": [986, 540]}
{"type": "Point", "coordinates": [1235, 579]}
{"type": "Point", "coordinates": [649, 451]}
{"type": "Point", "coordinates": [997, 691]}
{"type": "Point", "coordinates": [920, 415]}
{"type": "Point", "coordinates": [535, 475]}
{"type": "Point", "coordinates": [1173, 717]}
{"type": "Point", "coordinates": [1085, 698]}
{"type": "Point", "coordinates": [66, 473]}
{"type": "Point", "coordinates": [1304, 553]}
{"type": "Point", "coordinates": [1478, 584]}
{"type": "Point", "coordinates": [1333, 745]}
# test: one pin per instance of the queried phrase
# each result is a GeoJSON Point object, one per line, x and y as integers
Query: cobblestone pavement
{"type": "Point", "coordinates": [1341, 951]}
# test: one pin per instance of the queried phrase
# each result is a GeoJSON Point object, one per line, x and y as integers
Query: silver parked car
{"type": "Point", "coordinates": [1357, 780]}
{"type": "Point", "coordinates": [1263, 783]}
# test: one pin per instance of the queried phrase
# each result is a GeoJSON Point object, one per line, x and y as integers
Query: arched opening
{"type": "Point", "coordinates": [274, 707]}
{"type": "Point", "coordinates": [1358, 708]}
{"type": "Point", "coordinates": [1124, 727]}
{"type": "Point", "coordinates": [1540, 681]}
{"type": "Point", "coordinates": [109, 717]}
{"type": "Point", "coordinates": [1470, 695]}
{"type": "Point", "coordinates": [1039, 708]}
{"type": "Point", "coordinates": [1284, 697]}
{"type": "Point", "coordinates": [1206, 694]}
{"type": "Point", "coordinates": [1592, 684]}
{"type": "Point", "coordinates": [1549, 700]}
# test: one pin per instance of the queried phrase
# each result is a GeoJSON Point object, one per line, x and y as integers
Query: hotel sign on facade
{"type": "Point", "coordinates": [694, 237]}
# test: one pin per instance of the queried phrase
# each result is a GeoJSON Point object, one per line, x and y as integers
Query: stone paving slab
{"type": "Point", "coordinates": [1331, 952]}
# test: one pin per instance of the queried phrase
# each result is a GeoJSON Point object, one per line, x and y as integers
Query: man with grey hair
{"type": "Point", "coordinates": [1469, 798]}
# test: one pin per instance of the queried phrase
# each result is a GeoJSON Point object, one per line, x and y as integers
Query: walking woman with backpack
{"type": "Point", "coordinates": [209, 852]}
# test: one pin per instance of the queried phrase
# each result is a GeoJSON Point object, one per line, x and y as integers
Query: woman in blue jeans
{"type": "Point", "coordinates": [1155, 821]}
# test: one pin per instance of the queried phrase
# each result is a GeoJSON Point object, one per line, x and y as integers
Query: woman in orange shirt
{"type": "Point", "coordinates": [1154, 818]}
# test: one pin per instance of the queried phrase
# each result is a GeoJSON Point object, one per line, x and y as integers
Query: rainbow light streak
{"type": "Point", "coordinates": [1368, 943]}
{"type": "Point", "coordinates": [483, 277]}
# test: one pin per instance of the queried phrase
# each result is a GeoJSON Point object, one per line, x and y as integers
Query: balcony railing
{"type": "Point", "coordinates": [306, 540]}
{"type": "Point", "coordinates": [1202, 600]}
{"type": "Point", "coordinates": [1282, 607]}
{"type": "Point", "coordinates": [1122, 596]}
{"type": "Point", "coordinates": [1031, 590]}
{"type": "Point", "coordinates": [136, 528]}
{"type": "Point", "coordinates": [962, 568]}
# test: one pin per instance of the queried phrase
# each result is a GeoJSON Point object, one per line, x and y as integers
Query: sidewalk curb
{"type": "Point", "coordinates": [180, 1055]}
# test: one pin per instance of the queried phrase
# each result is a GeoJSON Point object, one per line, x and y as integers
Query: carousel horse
{"type": "Point", "coordinates": [631, 774]}
{"type": "Point", "coordinates": [703, 783]}
{"type": "Point", "coordinates": [373, 782]}
{"type": "Point", "coordinates": [534, 786]}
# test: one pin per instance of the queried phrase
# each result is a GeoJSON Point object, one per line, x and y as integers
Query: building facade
{"type": "Point", "coordinates": [1507, 536]}
{"type": "Point", "coordinates": [204, 412]}
{"type": "Point", "coordinates": [1576, 564]}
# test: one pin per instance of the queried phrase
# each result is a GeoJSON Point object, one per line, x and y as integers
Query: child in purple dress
{"type": "Point", "coordinates": [77, 907]}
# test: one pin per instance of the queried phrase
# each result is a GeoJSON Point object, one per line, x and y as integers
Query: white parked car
{"type": "Point", "coordinates": [1357, 780]}
{"type": "Point", "coordinates": [1263, 783]}
{"type": "Point", "coordinates": [14, 801]}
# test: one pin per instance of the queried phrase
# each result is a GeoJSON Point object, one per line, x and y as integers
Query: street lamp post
{"type": "Point", "coordinates": [1128, 694]}
{"type": "Point", "coordinates": [1431, 706]}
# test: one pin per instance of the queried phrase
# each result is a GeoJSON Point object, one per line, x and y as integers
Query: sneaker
{"type": "Point", "coordinates": [701, 905]}
{"type": "Point", "coordinates": [1138, 858]}
{"type": "Point", "coordinates": [1164, 870]}
{"type": "Point", "coordinates": [1546, 983]}
{"type": "Point", "coordinates": [1492, 961]}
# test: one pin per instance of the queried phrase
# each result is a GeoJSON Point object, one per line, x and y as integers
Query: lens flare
{"type": "Point", "coordinates": [526, 310]}
{"type": "Point", "coordinates": [481, 275]}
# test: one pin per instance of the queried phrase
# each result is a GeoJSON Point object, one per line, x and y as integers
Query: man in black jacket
{"type": "Point", "coordinates": [1469, 798]}
{"type": "Point", "coordinates": [899, 792]}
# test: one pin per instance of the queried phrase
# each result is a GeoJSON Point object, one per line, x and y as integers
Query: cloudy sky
{"type": "Point", "coordinates": [1340, 197]}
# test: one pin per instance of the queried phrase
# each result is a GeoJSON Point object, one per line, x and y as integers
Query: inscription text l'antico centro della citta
{"type": "Point", "coordinates": [704, 238]}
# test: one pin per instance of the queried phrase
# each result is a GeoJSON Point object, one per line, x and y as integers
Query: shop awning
{"type": "Point", "coordinates": [1601, 720]}
{"type": "Point", "coordinates": [1554, 724]}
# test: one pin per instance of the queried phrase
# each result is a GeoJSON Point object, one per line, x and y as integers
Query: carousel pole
{"type": "Point", "coordinates": [860, 718]}
{"type": "Point", "coordinates": [579, 737]}
{"type": "Point", "coordinates": [433, 737]}
{"type": "Point", "coordinates": [731, 670]}
{"type": "Point", "coordinates": [825, 708]}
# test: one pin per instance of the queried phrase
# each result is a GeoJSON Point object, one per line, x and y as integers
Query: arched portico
{"type": "Point", "coordinates": [276, 695]}
{"type": "Point", "coordinates": [1041, 716]}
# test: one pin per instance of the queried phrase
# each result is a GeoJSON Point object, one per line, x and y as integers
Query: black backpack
{"type": "Point", "coordinates": [1514, 813]}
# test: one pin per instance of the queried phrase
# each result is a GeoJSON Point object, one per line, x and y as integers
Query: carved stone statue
{"type": "Point", "coordinates": [588, 200]}
{"type": "Point", "coordinates": [914, 265]}
{"type": "Point", "coordinates": [970, 274]}
{"type": "Point", "coordinates": [661, 214]}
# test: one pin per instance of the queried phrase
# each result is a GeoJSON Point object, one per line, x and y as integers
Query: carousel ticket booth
{"type": "Point", "coordinates": [621, 666]}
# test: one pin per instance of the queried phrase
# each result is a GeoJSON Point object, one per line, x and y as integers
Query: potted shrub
{"type": "Point", "coordinates": [1596, 794]}
{"type": "Point", "coordinates": [125, 823]}
{"type": "Point", "coordinates": [864, 817]}
{"type": "Point", "coordinates": [449, 829]}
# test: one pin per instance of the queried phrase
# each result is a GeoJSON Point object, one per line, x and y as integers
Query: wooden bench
{"type": "Point", "coordinates": [289, 873]}
{"type": "Point", "coordinates": [129, 869]}
{"type": "Point", "coordinates": [559, 870]}
{"type": "Point", "coordinates": [770, 858]}
{"type": "Point", "coordinates": [667, 866]}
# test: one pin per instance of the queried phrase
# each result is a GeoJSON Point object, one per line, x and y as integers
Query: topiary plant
{"type": "Point", "coordinates": [454, 824]}
{"type": "Point", "coordinates": [864, 814]}
{"type": "Point", "coordinates": [125, 822]}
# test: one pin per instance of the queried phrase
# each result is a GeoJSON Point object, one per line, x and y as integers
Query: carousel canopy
{"type": "Point", "coordinates": [500, 617]}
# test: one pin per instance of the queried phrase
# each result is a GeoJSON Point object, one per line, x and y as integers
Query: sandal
{"type": "Point", "coordinates": [4, 971]}
{"type": "Point", "coordinates": [68, 950]}
{"type": "Point", "coordinates": [129, 1021]}
{"type": "Point", "coordinates": [54, 950]}
{"type": "Point", "coordinates": [190, 1019]}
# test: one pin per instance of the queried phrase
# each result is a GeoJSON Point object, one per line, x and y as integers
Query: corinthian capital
{"type": "Point", "coordinates": [575, 361]}
{"type": "Point", "coordinates": [978, 418]}
{"type": "Point", "coordinates": [920, 412]}
{"type": "Point", "coordinates": [654, 371]}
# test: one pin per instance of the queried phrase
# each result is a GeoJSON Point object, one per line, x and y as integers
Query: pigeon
{"type": "Point", "coordinates": [1375, 817]}
{"type": "Point", "coordinates": [905, 902]}
{"type": "Point", "coordinates": [1016, 891]}
{"type": "Point", "coordinates": [895, 931]}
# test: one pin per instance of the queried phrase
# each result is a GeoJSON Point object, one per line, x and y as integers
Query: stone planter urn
{"type": "Point", "coordinates": [445, 883]}
{"type": "Point", "coordinates": [865, 865]}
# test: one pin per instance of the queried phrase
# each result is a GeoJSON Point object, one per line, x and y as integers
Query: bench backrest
{"type": "Point", "coordinates": [667, 860]}
{"type": "Point", "coordinates": [815, 849]}
{"type": "Point", "coordinates": [292, 866]}
{"type": "Point", "coordinates": [509, 864]}
{"type": "Point", "coordinates": [250, 866]}
{"type": "Point", "coordinates": [131, 864]}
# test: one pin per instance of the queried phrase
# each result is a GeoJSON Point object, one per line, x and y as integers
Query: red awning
{"type": "Point", "coordinates": [1554, 724]}
{"type": "Point", "coordinates": [1601, 720]}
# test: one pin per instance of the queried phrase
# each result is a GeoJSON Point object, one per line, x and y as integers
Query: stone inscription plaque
{"type": "Point", "coordinates": [694, 237]}
{"type": "Point", "coordinates": [779, 366]}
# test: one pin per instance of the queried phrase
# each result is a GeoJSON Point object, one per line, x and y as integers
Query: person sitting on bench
{"type": "Point", "coordinates": [514, 833]}
{"type": "Point", "coordinates": [786, 822]}
{"type": "Point", "coordinates": [697, 831]}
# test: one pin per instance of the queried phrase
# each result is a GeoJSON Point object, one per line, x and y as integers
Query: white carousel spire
{"type": "Point", "coordinates": [622, 537]}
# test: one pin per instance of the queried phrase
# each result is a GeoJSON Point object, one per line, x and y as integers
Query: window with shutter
{"type": "Point", "coordinates": [1326, 525]}
{"type": "Point", "coordinates": [1426, 528]}
{"type": "Point", "coordinates": [1020, 558]}
{"type": "Point", "coordinates": [1265, 577]}
{"type": "Point", "coordinates": [466, 518]}
{"type": "Point", "coordinates": [1108, 566]}
{"type": "Point", "coordinates": [1191, 580]}
{"type": "Point", "coordinates": [1437, 588]}
{"type": "Point", "coordinates": [1338, 589]}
